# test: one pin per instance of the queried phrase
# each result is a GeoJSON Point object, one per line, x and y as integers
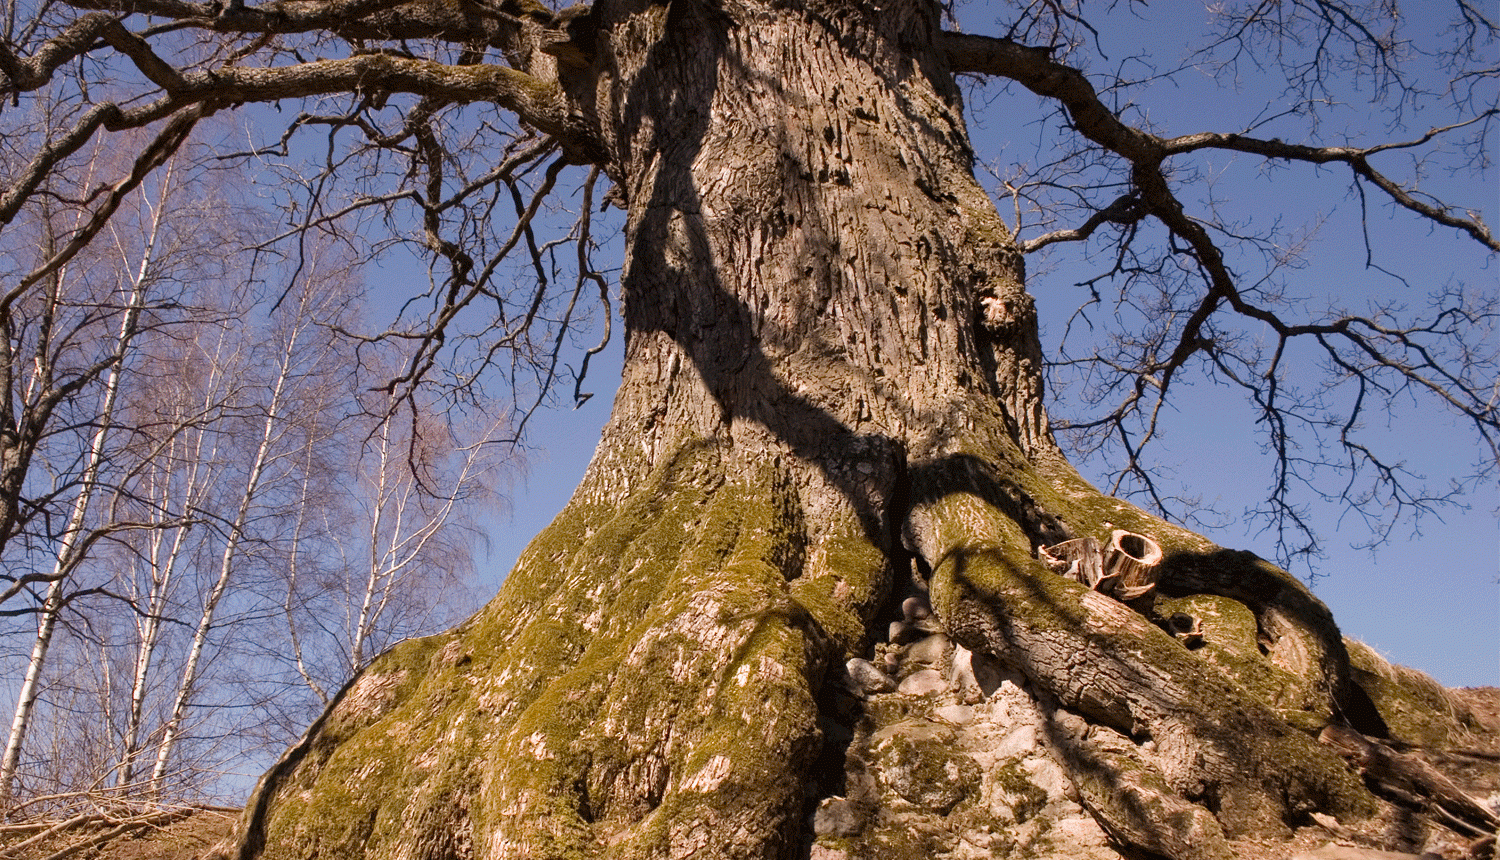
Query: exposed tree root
{"type": "Point", "coordinates": [654, 670]}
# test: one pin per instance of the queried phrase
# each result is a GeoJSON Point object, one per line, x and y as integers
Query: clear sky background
{"type": "Point", "coordinates": [1430, 598]}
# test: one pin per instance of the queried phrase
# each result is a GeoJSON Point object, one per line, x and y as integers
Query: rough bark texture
{"type": "Point", "coordinates": [831, 402]}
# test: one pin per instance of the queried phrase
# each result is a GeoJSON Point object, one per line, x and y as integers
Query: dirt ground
{"type": "Point", "coordinates": [1479, 772]}
{"type": "Point", "coordinates": [1485, 702]}
{"type": "Point", "coordinates": [189, 839]}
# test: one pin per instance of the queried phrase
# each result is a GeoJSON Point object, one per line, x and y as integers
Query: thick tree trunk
{"type": "Point", "coordinates": [831, 401]}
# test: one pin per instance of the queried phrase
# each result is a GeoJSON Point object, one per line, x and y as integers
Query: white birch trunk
{"type": "Point", "coordinates": [400, 535]}
{"type": "Point", "coordinates": [163, 574]}
{"type": "Point", "coordinates": [71, 550]}
{"type": "Point", "coordinates": [188, 686]}
{"type": "Point", "coordinates": [289, 606]}
{"type": "Point", "coordinates": [363, 620]}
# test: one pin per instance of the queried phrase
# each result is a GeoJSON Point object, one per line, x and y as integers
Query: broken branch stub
{"type": "Point", "coordinates": [1132, 564]}
{"type": "Point", "coordinates": [1185, 628]}
{"type": "Point", "coordinates": [1080, 559]}
{"type": "Point", "coordinates": [1126, 570]}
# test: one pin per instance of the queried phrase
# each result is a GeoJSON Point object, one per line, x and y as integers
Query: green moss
{"type": "Point", "coordinates": [927, 771]}
{"type": "Point", "coordinates": [1015, 588]}
{"type": "Point", "coordinates": [1415, 708]}
{"type": "Point", "coordinates": [844, 580]}
{"type": "Point", "coordinates": [1229, 644]}
{"type": "Point", "coordinates": [1304, 665]}
{"type": "Point", "coordinates": [1227, 624]}
{"type": "Point", "coordinates": [649, 664]}
{"type": "Point", "coordinates": [542, 716]}
{"type": "Point", "coordinates": [1024, 797]}
{"type": "Point", "coordinates": [358, 783]}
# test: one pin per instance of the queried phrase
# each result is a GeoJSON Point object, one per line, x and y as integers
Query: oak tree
{"type": "Point", "coordinates": [830, 454]}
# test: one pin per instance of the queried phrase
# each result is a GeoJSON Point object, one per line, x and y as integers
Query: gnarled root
{"type": "Point", "coordinates": [1172, 738]}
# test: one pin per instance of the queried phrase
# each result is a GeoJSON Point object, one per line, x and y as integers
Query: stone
{"type": "Point", "coordinates": [976, 676]}
{"type": "Point", "coordinates": [1078, 833]}
{"type": "Point", "coordinates": [928, 773]}
{"type": "Point", "coordinates": [932, 651]}
{"type": "Point", "coordinates": [915, 608]}
{"type": "Point", "coordinates": [1018, 741]}
{"type": "Point", "coordinates": [900, 632]}
{"type": "Point", "coordinates": [988, 673]}
{"type": "Point", "coordinates": [956, 714]}
{"type": "Point", "coordinates": [961, 676]}
{"type": "Point", "coordinates": [836, 816]}
{"type": "Point", "coordinates": [867, 678]}
{"type": "Point", "coordinates": [923, 682]}
{"type": "Point", "coordinates": [892, 661]}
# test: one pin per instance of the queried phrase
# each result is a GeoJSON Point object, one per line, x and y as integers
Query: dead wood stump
{"type": "Point", "coordinates": [1126, 569]}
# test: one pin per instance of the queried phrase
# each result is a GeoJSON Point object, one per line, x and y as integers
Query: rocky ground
{"type": "Point", "coordinates": [930, 713]}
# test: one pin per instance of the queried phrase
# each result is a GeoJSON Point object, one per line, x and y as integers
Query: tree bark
{"type": "Point", "coordinates": [832, 395]}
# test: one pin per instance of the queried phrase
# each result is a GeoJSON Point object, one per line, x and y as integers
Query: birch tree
{"type": "Point", "coordinates": [418, 487]}
{"type": "Point", "coordinates": [300, 350]}
{"type": "Point", "coordinates": [73, 318]}
{"type": "Point", "coordinates": [175, 484]}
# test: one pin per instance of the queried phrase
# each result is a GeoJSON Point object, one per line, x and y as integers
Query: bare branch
{"type": "Point", "coordinates": [1125, 210]}
{"type": "Point", "coordinates": [1035, 69]}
